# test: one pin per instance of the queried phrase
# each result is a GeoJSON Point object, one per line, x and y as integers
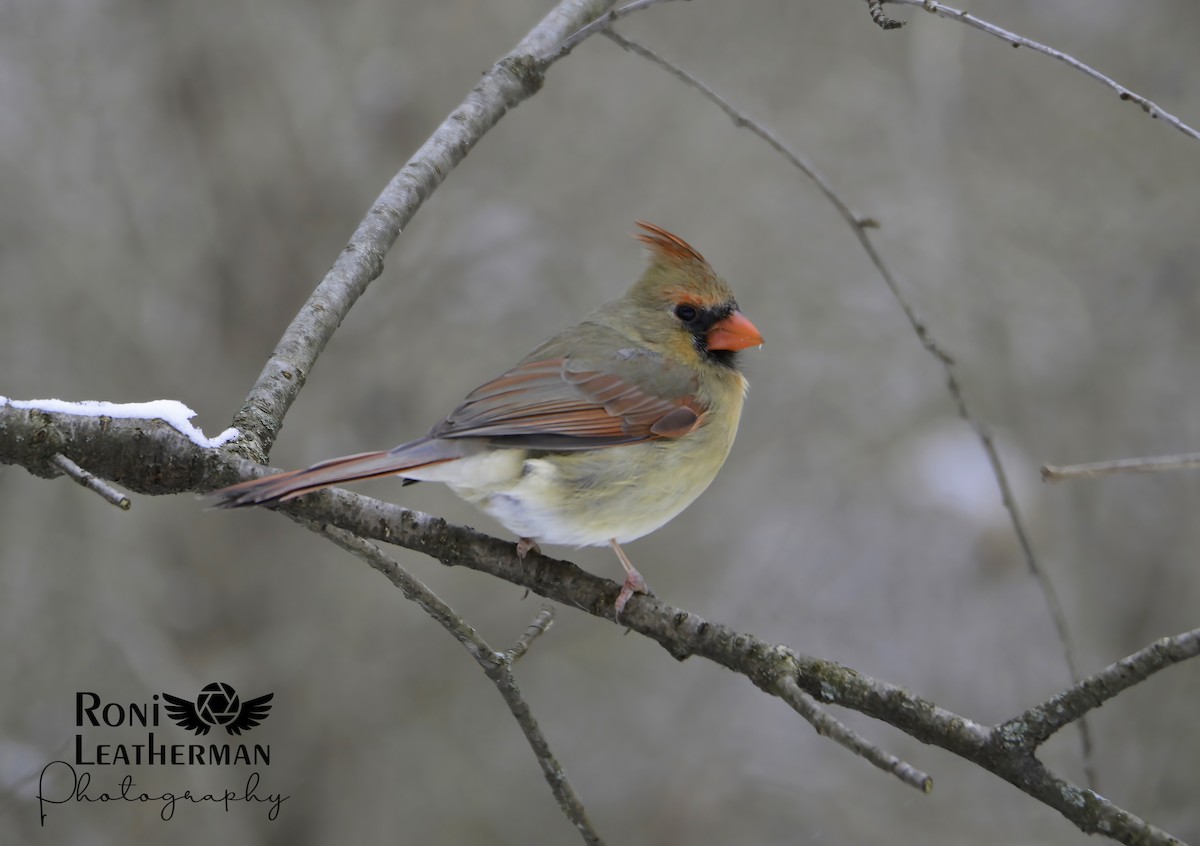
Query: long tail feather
{"type": "Point", "coordinates": [350, 468]}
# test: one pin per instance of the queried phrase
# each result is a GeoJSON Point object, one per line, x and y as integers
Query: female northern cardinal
{"type": "Point", "coordinates": [600, 435]}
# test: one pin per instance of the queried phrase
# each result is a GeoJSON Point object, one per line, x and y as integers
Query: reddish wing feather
{"type": "Point", "coordinates": [567, 408]}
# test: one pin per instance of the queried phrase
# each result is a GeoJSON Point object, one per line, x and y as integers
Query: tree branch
{"type": "Point", "coordinates": [775, 669]}
{"type": "Point", "coordinates": [1041, 721]}
{"type": "Point", "coordinates": [497, 666]}
{"type": "Point", "coordinates": [131, 451]}
{"type": "Point", "coordinates": [1157, 464]}
{"type": "Point", "coordinates": [540, 625]}
{"type": "Point", "coordinates": [144, 456]}
{"type": "Point", "coordinates": [1148, 106]}
{"type": "Point", "coordinates": [152, 458]}
{"type": "Point", "coordinates": [837, 731]}
{"type": "Point", "coordinates": [513, 79]}
{"type": "Point", "coordinates": [601, 23]}
{"type": "Point", "coordinates": [106, 491]}
{"type": "Point", "coordinates": [861, 227]}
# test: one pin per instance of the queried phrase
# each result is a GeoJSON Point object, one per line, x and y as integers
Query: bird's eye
{"type": "Point", "coordinates": [686, 313]}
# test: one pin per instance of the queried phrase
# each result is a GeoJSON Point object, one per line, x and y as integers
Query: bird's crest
{"type": "Point", "coordinates": [665, 245]}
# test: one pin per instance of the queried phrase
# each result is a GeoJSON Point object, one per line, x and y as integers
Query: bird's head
{"type": "Point", "coordinates": [682, 303]}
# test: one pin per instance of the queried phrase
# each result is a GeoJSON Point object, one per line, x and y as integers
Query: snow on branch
{"type": "Point", "coordinates": [172, 412]}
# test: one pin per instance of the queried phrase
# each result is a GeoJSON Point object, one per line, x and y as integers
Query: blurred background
{"type": "Point", "coordinates": [177, 177]}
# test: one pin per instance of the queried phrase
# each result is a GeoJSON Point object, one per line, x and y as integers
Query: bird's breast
{"type": "Point", "coordinates": [587, 497]}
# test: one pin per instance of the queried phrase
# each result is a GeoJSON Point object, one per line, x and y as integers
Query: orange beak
{"type": "Point", "coordinates": [735, 332]}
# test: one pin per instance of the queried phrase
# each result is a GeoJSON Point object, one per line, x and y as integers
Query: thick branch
{"type": "Point", "coordinates": [144, 456]}
{"type": "Point", "coordinates": [775, 669]}
{"type": "Point", "coordinates": [153, 458]}
{"type": "Point", "coordinates": [511, 80]}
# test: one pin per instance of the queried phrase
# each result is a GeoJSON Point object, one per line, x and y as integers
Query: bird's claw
{"type": "Point", "coordinates": [527, 545]}
{"type": "Point", "coordinates": [634, 583]}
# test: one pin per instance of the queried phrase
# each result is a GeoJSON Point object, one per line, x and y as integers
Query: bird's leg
{"type": "Point", "coordinates": [634, 583]}
{"type": "Point", "coordinates": [525, 545]}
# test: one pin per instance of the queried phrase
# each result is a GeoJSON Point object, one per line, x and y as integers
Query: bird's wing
{"type": "Point", "coordinates": [253, 712]}
{"type": "Point", "coordinates": [567, 403]}
{"type": "Point", "coordinates": [183, 712]}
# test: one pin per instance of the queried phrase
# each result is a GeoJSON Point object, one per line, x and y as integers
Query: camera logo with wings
{"type": "Point", "coordinates": [218, 705]}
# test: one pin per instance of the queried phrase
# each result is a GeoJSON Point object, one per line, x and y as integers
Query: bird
{"type": "Point", "coordinates": [602, 434]}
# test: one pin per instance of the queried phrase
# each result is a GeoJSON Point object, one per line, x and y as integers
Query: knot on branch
{"type": "Point", "coordinates": [529, 71]}
{"type": "Point", "coordinates": [47, 441]}
{"type": "Point", "coordinates": [1013, 741]}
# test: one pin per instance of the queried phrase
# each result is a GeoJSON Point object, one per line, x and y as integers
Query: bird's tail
{"type": "Point", "coordinates": [349, 468]}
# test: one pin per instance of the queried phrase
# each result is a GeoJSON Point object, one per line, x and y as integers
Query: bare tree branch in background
{"type": "Point", "coordinates": [497, 666]}
{"type": "Point", "coordinates": [861, 227]}
{"type": "Point", "coordinates": [1126, 94]}
{"type": "Point", "coordinates": [154, 459]}
{"type": "Point", "coordinates": [513, 79]}
{"type": "Point", "coordinates": [1157, 464]}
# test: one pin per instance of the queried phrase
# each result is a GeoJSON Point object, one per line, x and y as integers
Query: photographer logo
{"type": "Point", "coordinates": [105, 729]}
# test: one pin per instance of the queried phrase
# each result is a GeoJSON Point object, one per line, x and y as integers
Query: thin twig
{"type": "Point", "coordinates": [861, 227]}
{"type": "Point", "coordinates": [496, 665]}
{"type": "Point", "coordinates": [1156, 464]}
{"type": "Point", "coordinates": [837, 731]}
{"type": "Point", "coordinates": [537, 628]}
{"type": "Point", "coordinates": [1041, 721]}
{"type": "Point", "coordinates": [601, 23]}
{"type": "Point", "coordinates": [1148, 106]}
{"type": "Point", "coordinates": [510, 81]}
{"type": "Point", "coordinates": [92, 482]}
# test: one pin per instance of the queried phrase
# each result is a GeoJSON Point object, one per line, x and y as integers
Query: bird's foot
{"type": "Point", "coordinates": [525, 546]}
{"type": "Point", "coordinates": [634, 583]}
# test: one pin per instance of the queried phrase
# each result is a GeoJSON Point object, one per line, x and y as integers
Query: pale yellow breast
{"type": "Point", "coordinates": [585, 498]}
